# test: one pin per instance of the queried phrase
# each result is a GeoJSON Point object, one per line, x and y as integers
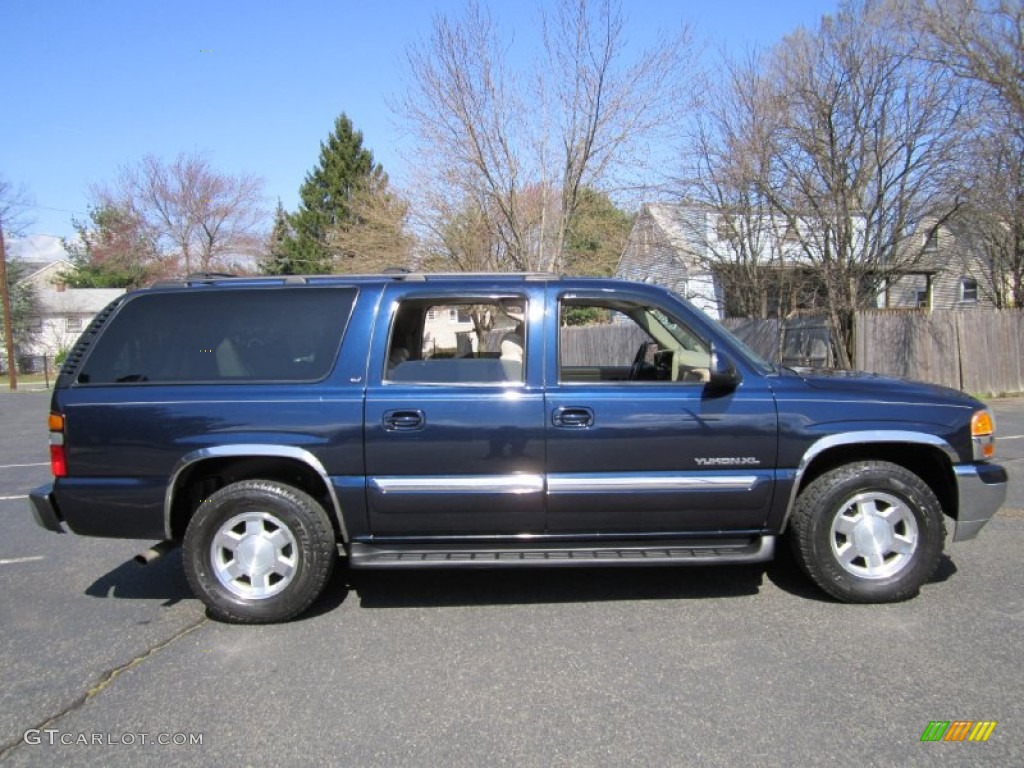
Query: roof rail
{"type": "Point", "coordinates": [457, 275]}
{"type": "Point", "coordinates": [391, 273]}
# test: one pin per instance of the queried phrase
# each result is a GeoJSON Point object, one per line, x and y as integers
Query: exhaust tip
{"type": "Point", "coordinates": [156, 552]}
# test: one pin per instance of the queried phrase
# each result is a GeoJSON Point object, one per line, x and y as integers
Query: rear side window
{"type": "Point", "coordinates": [222, 335]}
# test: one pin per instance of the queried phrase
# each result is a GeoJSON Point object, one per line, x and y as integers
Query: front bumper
{"type": "Point", "coordinates": [44, 510]}
{"type": "Point", "coordinates": [981, 491]}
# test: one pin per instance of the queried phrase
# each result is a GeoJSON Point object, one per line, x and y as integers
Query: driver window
{"type": "Point", "coordinates": [621, 341]}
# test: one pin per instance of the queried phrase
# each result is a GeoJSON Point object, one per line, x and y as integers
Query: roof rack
{"type": "Point", "coordinates": [391, 273]}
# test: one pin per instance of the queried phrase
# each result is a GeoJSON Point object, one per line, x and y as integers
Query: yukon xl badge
{"type": "Point", "coordinates": [727, 461]}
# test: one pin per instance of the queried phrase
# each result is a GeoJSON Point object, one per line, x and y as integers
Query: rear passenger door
{"type": "Point", "coordinates": [454, 416]}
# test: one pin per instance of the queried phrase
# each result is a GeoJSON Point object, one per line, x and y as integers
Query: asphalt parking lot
{"type": "Point", "coordinates": [105, 662]}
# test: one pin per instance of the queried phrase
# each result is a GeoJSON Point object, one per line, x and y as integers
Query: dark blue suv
{"type": "Point", "coordinates": [270, 425]}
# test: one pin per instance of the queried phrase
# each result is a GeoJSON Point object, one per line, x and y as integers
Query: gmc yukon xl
{"type": "Point", "coordinates": [272, 426]}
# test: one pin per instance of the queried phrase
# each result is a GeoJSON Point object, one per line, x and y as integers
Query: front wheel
{"type": "Point", "coordinates": [868, 532]}
{"type": "Point", "coordinates": [258, 551]}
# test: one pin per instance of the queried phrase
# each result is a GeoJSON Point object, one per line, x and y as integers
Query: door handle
{"type": "Point", "coordinates": [572, 416]}
{"type": "Point", "coordinates": [404, 421]}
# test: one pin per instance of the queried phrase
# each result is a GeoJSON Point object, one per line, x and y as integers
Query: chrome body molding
{"type": "Point", "coordinates": [861, 438]}
{"type": "Point", "coordinates": [244, 450]}
{"type": "Point", "coordinates": [981, 491]}
{"type": "Point", "coordinates": [658, 481]}
{"type": "Point", "coordinates": [449, 484]}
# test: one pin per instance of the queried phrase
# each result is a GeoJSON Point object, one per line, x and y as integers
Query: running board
{"type": "Point", "coordinates": [755, 550]}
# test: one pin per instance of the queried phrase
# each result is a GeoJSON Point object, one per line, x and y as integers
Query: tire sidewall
{"type": "Point", "coordinates": [296, 511]}
{"type": "Point", "coordinates": [834, 495]}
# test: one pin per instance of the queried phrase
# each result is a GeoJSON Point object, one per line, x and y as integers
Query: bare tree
{"type": "Point", "coordinates": [982, 43]}
{"type": "Point", "coordinates": [377, 237]}
{"type": "Point", "coordinates": [496, 137]}
{"type": "Point", "coordinates": [861, 155]}
{"type": "Point", "coordinates": [978, 40]}
{"type": "Point", "coordinates": [199, 219]}
{"type": "Point", "coordinates": [742, 239]}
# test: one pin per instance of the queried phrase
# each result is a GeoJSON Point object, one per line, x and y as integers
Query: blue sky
{"type": "Point", "coordinates": [91, 86]}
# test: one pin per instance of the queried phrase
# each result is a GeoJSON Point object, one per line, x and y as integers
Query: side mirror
{"type": "Point", "coordinates": [724, 376]}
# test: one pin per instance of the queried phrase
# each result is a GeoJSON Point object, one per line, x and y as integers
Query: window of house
{"type": "Point", "coordinates": [725, 229]}
{"type": "Point", "coordinates": [73, 324]}
{"type": "Point", "coordinates": [493, 352]}
{"type": "Point", "coordinates": [618, 341]}
{"type": "Point", "coordinates": [921, 299]}
{"type": "Point", "coordinates": [968, 290]}
{"type": "Point", "coordinates": [931, 240]}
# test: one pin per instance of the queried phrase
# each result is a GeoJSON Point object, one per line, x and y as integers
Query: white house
{"type": "Point", "coordinates": [62, 312]}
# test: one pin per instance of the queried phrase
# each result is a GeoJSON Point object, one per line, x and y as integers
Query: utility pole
{"type": "Point", "coordinates": [5, 294]}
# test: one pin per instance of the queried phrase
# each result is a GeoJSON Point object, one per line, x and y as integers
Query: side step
{"type": "Point", "coordinates": [754, 550]}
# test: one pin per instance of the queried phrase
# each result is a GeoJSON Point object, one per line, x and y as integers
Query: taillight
{"type": "Point", "coordinates": [58, 461]}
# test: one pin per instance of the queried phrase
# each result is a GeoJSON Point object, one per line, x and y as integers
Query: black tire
{"type": "Point", "coordinates": [868, 532]}
{"type": "Point", "coordinates": [258, 551]}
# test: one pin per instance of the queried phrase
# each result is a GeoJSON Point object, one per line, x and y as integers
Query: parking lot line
{"type": "Point", "coordinates": [15, 466]}
{"type": "Point", "coordinates": [12, 498]}
{"type": "Point", "coordinates": [16, 560]}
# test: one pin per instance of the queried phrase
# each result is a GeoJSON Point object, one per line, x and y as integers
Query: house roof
{"type": "Point", "coordinates": [75, 301]}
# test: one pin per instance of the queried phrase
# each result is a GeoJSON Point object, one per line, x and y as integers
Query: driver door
{"type": "Point", "coordinates": [635, 442]}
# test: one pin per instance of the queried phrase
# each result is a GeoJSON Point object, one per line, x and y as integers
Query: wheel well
{"type": "Point", "coordinates": [925, 461]}
{"type": "Point", "coordinates": [199, 480]}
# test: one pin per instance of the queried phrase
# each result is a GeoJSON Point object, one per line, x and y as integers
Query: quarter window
{"type": "Point", "coordinates": [209, 335]}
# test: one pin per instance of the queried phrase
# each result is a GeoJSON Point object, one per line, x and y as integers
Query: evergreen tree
{"type": "Point", "coordinates": [278, 259]}
{"type": "Point", "coordinates": [596, 235]}
{"type": "Point", "coordinates": [346, 169]}
{"type": "Point", "coordinates": [23, 307]}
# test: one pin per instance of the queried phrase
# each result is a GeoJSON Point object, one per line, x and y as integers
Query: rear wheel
{"type": "Point", "coordinates": [868, 532]}
{"type": "Point", "coordinates": [259, 551]}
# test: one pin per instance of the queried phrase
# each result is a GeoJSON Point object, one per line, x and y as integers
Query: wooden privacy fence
{"type": "Point", "coordinates": [608, 344]}
{"type": "Point", "coordinates": [978, 351]}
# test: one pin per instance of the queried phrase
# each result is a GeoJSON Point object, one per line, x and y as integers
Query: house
{"type": "Point", "coordinates": [61, 313]}
{"type": "Point", "coordinates": [666, 247]}
{"type": "Point", "coordinates": [951, 273]}
{"type": "Point", "coordinates": [725, 264]}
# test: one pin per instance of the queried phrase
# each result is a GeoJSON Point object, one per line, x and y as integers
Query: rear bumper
{"type": "Point", "coordinates": [44, 510]}
{"type": "Point", "coordinates": [981, 491]}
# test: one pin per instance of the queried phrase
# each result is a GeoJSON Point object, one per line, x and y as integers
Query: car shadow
{"type": "Point", "coordinates": [784, 572]}
{"type": "Point", "coordinates": [486, 586]}
{"type": "Point", "coordinates": [163, 579]}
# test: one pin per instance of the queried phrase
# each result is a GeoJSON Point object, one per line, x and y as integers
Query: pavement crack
{"type": "Point", "coordinates": [102, 684]}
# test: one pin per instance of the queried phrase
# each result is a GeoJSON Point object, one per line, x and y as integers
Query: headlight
{"type": "Point", "coordinates": [983, 435]}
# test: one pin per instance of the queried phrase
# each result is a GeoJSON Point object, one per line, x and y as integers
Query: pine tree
{"type": "Point", "coordinates": [345, 170]}
{"type": "Point", "coordinates": [278, 259]}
